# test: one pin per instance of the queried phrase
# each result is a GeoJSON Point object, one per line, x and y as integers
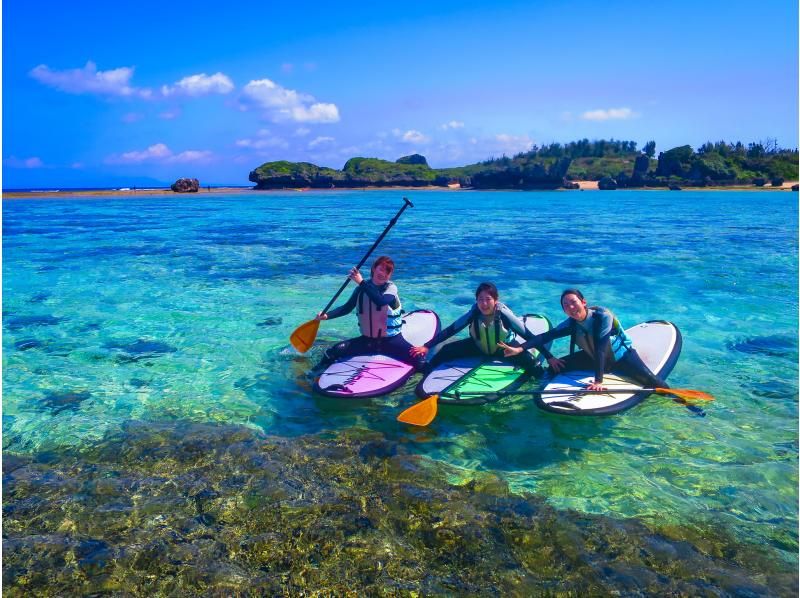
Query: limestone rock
{"type": "Point", "coordinates": [186, 186]}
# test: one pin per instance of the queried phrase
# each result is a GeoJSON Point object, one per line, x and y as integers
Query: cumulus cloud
{"type": "Point", "coordinates": [200, 85]}
{"type": "Point", "coordinates": [609, 114]}
{"type": "Point", "coordinates": [262, 143]}
{"type": "Point", "coordinates": [512, 144]}
{"type": "Point", "coordinates": [32, 162]}
{"type": "Point", "coordinates": [302, 131]}
{"type": "Point", "coordinates": [410, 136]}
{"type": "Point", "coordinates": [115, 82]}
{"type": "Point", "coordinates": [320, 141]}
{"type": "Point", "coordinates": [159, 152]}
{"type": "Point", "coordinates": [453, 124]}
{"type": "Point", "coordinates": [282, 104]}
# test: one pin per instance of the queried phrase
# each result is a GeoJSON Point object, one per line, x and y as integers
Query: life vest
{"type": "Point", "coordinates": [620, 342]}
{"type": "Point", "coordinates": [376, 321]}
{"type": "Point", "coordinates": [486, 336]}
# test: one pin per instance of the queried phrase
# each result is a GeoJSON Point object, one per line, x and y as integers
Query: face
{"type": "Point", "coordinates": [574, 307]}
{"type": "Point", "coordinates": [381, 274]}
{"type": "Point", "coordinates": [486, 303]}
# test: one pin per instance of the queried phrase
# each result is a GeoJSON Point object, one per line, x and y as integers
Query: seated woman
{"type": "Point", "coordinates": [605, 346]}
{"type": "Point", "coordinates": [491, 326]}
{"type": "Point", "coordinates": [379, 317]}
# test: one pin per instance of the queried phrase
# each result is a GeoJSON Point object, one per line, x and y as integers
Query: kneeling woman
{"type": "Point", "coordinates": [491, 326]}
{"type": "Point", "coordinates": [379, 317]}
{"type": "Point", "coordinates": [605, 346]}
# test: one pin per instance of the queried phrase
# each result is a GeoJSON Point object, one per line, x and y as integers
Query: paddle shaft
{"type": "Point", "coordinates": [561, 391]}
{"type": "Point", "coordinates": [392, 222]}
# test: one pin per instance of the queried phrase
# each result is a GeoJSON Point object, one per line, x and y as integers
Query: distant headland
{"type": "Point", "coordinates": [613, 164]}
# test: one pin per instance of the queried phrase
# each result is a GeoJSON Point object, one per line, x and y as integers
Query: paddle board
{"type": "Point", "coordinates": [475, 374]}
{"type": "Point", "coordinates": [657, 342]}
{"type": "Point", "coordinates": [363, 376]}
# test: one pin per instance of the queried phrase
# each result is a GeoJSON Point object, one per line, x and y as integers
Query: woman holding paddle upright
{"type": "Point", "coordinates": [491, 324]}
{"type": "Point", "coordinates": [604, 345]}
{"type": "Point", "coordinates": [379, 314]}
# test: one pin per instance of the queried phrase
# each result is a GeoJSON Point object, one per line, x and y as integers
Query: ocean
{"type": "Point", "coordinates": [145, 336]}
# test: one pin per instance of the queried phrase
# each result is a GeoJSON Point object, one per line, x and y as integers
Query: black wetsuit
{"type": "Point", "coordinates": [468, 347]}
{"type": "Point", "coordinates": [394, 346]}
{"type": "Point", "coordinates": [610, 350]}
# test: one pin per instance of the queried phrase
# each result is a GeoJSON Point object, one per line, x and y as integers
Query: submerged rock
{"type": "Point", "coordinates": [196, 509]}
{"type": "Point", "coordinates": [774, 345]}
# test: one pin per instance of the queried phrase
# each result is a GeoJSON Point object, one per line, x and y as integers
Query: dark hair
{"type": "Point", "coordinates": [489, 288]}
{"type": "Point", "coordinates": [384, 259]}
{"type": "Point", "coordinates": [575, 292]}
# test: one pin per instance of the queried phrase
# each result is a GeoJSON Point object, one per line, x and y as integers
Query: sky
{"type": "Point", "coordinates": [142, 93]}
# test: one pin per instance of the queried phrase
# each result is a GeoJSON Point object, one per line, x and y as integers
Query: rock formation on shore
{"type": "Point", "coordinates": [185, 186]}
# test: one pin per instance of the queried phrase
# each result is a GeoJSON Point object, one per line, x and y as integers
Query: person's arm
{"type": "Point", "coordinates": [343, 309]}
{"type": "Point", "coordinates": [602, 327]}
{"type": "Point", "coordinates": [388, 297]}
{"type": "Point", "coordinates": [539, 341]}
{"type": "Point", "coordinates": [446, 333]}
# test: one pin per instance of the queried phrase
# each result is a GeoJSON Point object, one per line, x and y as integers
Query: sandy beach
{"type": "Point", "coordinates": [583, 185]}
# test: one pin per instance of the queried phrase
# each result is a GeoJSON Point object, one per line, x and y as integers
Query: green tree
{"type": "Point", "coordinates": [650, 149]}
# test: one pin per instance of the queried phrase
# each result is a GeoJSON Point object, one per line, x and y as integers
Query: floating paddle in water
{"type": "Point", "coordinates": [682, 393]}
{"type": "Point", "coordinates": [304, 336]}
{"type": "Point", "coordinates": [422, 413]}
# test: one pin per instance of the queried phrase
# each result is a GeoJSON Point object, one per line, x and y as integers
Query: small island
{"type": "Point", "coordinates": [614, 164]}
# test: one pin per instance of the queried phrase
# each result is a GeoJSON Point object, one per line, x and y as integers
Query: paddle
{"type": "Point", "coordinates": [424, 412]}
{"type": "Point", "coordinates": [682, 393]}
{"type": "Point", "coordinates": [304, 336]}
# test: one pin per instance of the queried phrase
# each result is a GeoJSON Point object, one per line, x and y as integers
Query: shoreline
{"type": "Point", "coordinates": [583, 186]}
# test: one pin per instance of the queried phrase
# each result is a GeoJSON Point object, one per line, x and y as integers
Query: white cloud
{"type": "Point", "coordinates": [453, 124]}
{"type": "Point", "coordinates": [302, 132]}
{"type": "Point", "coordinates": [14, 162]}
{"type": "Point", "coordinates": [115, 82]}
{"type": "Point", "coordinates": [131, 117]}
{"type": "Point", "coordinates": [199, 85]}
{"type": "Point", "coordinates": [410, 136]}
{"type": "Point", "coordinates": [283, 104]}
{"type": "Point", "coordinates": [511, 144]}
{"type": "Point", "coordinates": [609, 114]}
{"type": "Point", "coordinates": [170, 114]}
{"type": "Point", "coordinates": [320, 141]}
{"type": "Point", "coordinates": [263, 142]}
{"type": "Point", "coordinates": [159, 152]}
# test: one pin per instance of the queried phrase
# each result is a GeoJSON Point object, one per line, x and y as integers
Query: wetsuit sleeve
{"type": "Point", "coordinates": [389, 296]}
{"type": "Point", "coordinates": [511, 321]}
{"type": "Point", "coordinates": [459, 324]}
{"type": "Point", "coordinates": [539, 341]}
{"type": "Point", "coordinates": [345, 308]}
{"type": "Point", "coordinates": [602, 327]}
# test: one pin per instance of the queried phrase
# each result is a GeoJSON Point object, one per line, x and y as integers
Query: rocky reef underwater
{"type": "Point", "coordinates": [218, 510]}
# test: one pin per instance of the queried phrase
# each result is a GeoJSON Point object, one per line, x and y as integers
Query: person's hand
{"type": "Point", "coordinates": [321, 316]}
{"type": "Point", "coordinates": [556, 364]}
{"type": "Point", "coordinates": [595, 386]}
{"type": "Point", "coordinates": [420, 351]}
{"type": "Point", "coordinates": [355, 276]}
{"type": "Point", "coordinates": [510, 351]}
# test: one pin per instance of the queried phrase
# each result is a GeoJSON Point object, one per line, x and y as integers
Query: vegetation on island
{"type": "Point", "coordinates": [614, 163]}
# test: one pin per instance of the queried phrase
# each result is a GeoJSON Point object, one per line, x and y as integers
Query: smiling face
{"type": "Point", "coordinates": [574, 307]}
{"type": "Point", "coordinates": [381, 273]}
{"type": "Point", "coordinates": [486, 303]}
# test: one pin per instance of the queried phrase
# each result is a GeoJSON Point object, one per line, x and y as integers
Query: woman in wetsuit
{"type": "Point", "coordinates": [379, 314]}
{"type": "Point", "coordinates": [492, 326]}
{"type": "Point", "coordinates": [604, 345]}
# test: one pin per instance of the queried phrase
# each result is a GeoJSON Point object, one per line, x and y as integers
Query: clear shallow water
{"type": "Point", "coordinates": [164, 309]}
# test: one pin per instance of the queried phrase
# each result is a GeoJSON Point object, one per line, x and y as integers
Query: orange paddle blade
{"type": "Point", "coordinates": [422, 413]}
{"type": "Point", "coordinates": [686, 394]}
{"type": "Point", "coordinates": [303, 338]}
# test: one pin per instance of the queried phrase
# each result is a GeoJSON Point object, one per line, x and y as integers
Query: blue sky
{"type": "Point", "coordinates": [117, 94]}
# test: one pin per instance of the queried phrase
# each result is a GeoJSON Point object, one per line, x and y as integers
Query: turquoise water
{"type": "Point", "coordinates": [169, 309]}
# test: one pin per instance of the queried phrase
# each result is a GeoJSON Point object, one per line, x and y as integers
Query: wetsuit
{"type": "Point", "coordinates": [604, 348]}
{"type": "Point", "coordinates": [503, 327]}
{"type": "Point", "coordinates": [380, 320]}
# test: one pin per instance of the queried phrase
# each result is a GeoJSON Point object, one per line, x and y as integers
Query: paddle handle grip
{"type": "Point", "coordinates": [406, 204]}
